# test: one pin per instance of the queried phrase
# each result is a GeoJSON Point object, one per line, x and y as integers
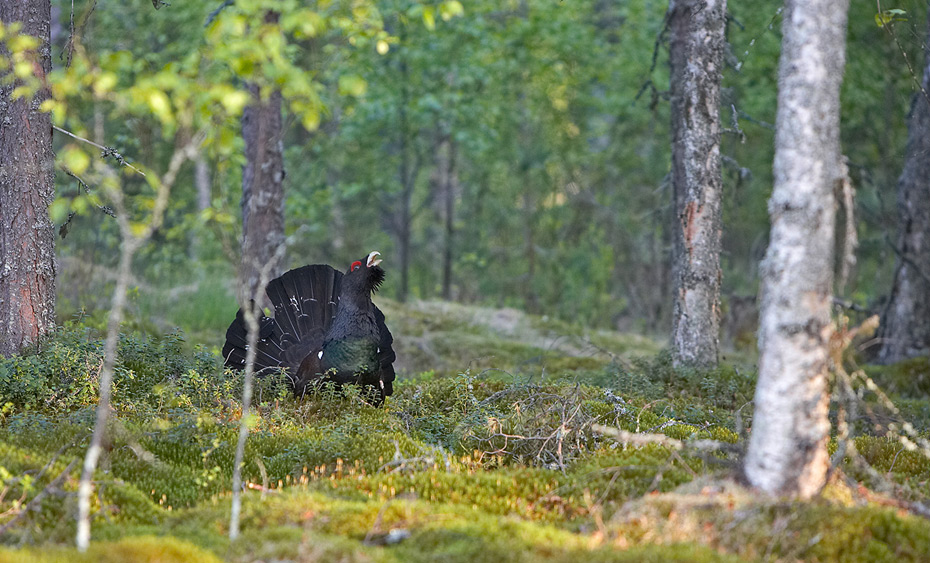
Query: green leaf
{"type": "Point", "coordinates": [22, 69]}
{"type": "Point", "coordinates": [886, 17]}
{"type": "Point", "coordinates": [352, 85]}
{"type": "Point", "coordinates": [58, 210]}
{"type": "Point", "coordinates": [75, 159]}
{"type": "Point", "coordinates": [20, 43]}
{"type": "Point", "coordinates": [160, 105]}
{"type": "Point", "coordinates": [22, 92]}
{"type": "Point", "coordinates": [137, 229]}
{"type": "Point", "coordinates": [104, 83]}
{"type": "Point", "coordinates": [234, 102]}
{"type": "Point", "coordinates": [449, 10]}
{"type": "Point", "coordinates": [429, 17]}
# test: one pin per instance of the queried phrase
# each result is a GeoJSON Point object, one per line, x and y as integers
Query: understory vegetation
{"type": "Point", "coordinates": [517, 454]}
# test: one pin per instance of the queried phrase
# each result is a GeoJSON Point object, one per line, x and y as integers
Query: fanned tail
{"type": "Point", "coordinates": [304, 301]}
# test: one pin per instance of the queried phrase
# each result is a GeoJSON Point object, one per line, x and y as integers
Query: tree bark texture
{"type": "Point", "coordinates": [262, 190]}
{"type": "Point", "coordinates": [697, 44]}
{"type": "Point", "coordinates": [788, 447]}
{"type": "Point", "coordinates": [905, 326]}
{"type": "Point", "coordinates": [27, 188]}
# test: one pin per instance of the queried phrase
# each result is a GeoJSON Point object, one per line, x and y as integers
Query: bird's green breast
{"type": "Point", "coordinates": [350, 356]}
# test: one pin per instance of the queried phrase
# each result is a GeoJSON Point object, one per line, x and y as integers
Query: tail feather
{"type": "Point", "coordinates": [285, 311]}
{"type": "Point", "coordinates": [267, 352]}
{"type": "Point", "coordinates": [304, 301]}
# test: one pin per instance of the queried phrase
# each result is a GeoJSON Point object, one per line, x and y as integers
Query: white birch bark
{"type": "Point", "coordinates": [788, 446]}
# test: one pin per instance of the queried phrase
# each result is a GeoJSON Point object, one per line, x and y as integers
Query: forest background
{"type": "Point", "coordinates": [519, 156]}
{"type": "Point", "coordinates": [511, 155]}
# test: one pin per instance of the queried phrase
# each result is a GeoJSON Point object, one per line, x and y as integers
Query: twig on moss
{"type": "Point", "coordinates": [39, 497]}
{"type": "Point", "coordinates": [642, 439]}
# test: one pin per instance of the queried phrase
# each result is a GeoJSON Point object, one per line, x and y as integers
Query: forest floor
{"type": "Point", "coordinates": [501, 443]}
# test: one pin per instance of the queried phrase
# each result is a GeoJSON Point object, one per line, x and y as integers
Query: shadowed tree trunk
{"type": "Point", "coordinates": [407, 182]}
{"type": "Point", "coordinates": [788, 447]}
{"type": "Point", "coordinates": [27, 188]}
{"type": "Point", "coordinates": [262, 189]}
{"type": "Point", "coordinates": [696, 57]}
{"type": "Point", "coordinates": [408, 171]}
{"type": "Point", "coordinates": [905, 327]}
{"type": "Point", "coordinates": [449, 186]}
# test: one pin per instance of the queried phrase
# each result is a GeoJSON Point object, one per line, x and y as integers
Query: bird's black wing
{"type": "Point", "coordinates": [386, 355]}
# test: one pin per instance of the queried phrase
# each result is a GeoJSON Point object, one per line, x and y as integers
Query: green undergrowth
{"type": "Point", "coordinates": [910, 378]}
{"type": "Point", "coordinates": [449, 338]}
{"type": "Point", "coordinates": [484, 465]}
{"type": "Point", "coordinates": [837, 526]}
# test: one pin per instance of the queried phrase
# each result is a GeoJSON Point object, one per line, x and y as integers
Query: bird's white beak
{"type": "Point", "coordinates": [373, 259]}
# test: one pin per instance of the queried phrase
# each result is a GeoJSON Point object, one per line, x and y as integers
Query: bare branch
{"type": "Point", "coordinates": [251, 308]}
{"type": "Point", "coordinates": [216, 12]}
{"type": "Point", "coordinates": [131, 242]}
{"type": "Point", "coordinates": [107, 151]}
{"type": "Point", "coordinates": [37, 500]}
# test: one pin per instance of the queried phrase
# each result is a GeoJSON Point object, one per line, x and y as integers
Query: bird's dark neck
{"type": "Point", "coordinates": [351, 312]}
{"type": "Point", "coordinates": [354, 318]}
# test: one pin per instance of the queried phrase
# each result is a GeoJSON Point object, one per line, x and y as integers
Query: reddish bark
{"type": "Point", "coordinates": [27, 188]}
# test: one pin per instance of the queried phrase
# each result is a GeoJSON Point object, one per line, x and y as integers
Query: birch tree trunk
{"type": "Point", "coordinates": [27, 188]}
{"type": "Point", "coordinates": [696, 56]}
{"type": "Point", "coordinates": [788, 447]}
{"type": "Point", "coordinates": [262, 190]}
{"type": "Point", "coordinates": [905, 327]}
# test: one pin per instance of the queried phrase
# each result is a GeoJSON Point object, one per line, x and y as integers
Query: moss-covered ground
{"type": "Point", "coordinates": [487, 452]}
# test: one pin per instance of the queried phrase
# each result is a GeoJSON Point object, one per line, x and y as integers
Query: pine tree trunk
{"type": "Point", "coordinates": [905, 327]}
{"type": "Point", "coordinates": [27, 188]}
{"type": "Point", "coordinates": [262, 191]}
{"type": "Point", "coordinates": [697, 43]}
{"type": "Point", "coordinates": [788, 447]}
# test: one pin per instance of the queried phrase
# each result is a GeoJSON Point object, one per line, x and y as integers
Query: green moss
{"type": "Point", "coordinates": [335, 530]}
{"type": "Point", "coordinates": [754, 527]}
{"type": "Point", "coordinates": [910, 378]}
{"type": "Point", "coordinates": [477, 465]}
{"type": "Point", "coordinates": [138, 549]}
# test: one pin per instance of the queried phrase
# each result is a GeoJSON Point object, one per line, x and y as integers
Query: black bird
{"type": "Point", "coordinates": [325, 328]}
